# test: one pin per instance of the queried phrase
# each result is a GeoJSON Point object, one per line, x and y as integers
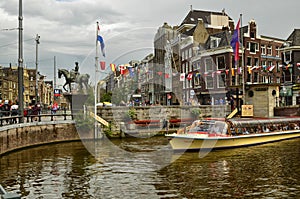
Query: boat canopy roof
{"type": "Point", "coordinates": [248, 122]}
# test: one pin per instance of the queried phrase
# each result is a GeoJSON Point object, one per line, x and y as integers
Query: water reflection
{"type": "Point", "coordinates": [146, 168]}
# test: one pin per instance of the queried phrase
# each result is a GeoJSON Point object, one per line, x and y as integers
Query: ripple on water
{"type": "Point", "coordinates": [69, 171]}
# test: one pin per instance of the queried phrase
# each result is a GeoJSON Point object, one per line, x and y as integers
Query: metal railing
{"type": "Point", "coordinates": [40, 117]}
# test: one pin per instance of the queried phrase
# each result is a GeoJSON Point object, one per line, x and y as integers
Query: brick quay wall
{"type": "Point", "coordinates": [17, 136]}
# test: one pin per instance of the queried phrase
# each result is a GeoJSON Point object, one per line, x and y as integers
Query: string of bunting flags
{"type": "Point", "coordinates": [127, 69]}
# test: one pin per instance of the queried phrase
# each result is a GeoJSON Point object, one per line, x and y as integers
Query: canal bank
{"type": "Point", "coordinates": [17, 136]}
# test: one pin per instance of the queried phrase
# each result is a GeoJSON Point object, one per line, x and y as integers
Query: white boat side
{"type": "Point", "coordinates": [203, 141]}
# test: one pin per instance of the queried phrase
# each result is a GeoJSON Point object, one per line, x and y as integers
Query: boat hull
{"type": "Point", "coordinates": [190, 142]}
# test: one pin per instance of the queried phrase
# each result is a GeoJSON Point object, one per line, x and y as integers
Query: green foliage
{"type": "Point", "coordinates": [106, 97]}
{"type": "Point", "coordinates": [130, 114]}
{"type": "Point", "coordinates": [196, 112]}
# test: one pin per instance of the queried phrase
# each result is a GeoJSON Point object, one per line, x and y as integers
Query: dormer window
{"type": "Point", "coordinates": [214, 42]}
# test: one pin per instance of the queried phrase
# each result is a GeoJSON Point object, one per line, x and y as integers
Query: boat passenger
{"type": "Point", "coordinates": [245, 131]}
{"type": "Point", "coordinates": [266, 129]}
{"type": "Point", "coordinates": [196, 126]}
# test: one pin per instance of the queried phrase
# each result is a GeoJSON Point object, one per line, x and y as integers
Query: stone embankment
{"type": "Point", "coordinates": [17, 136]}
{"type": "Point", "coordinates": [122, 121]}
{"type": "Point", "coordinates": [147, 119]}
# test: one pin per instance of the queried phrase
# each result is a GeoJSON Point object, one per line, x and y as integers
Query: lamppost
{"type": "Point", "coordinates": [284, 90]}
{"type": "Point", "coordinates": [97, 85]}
{"type": "Point", "coordinates": [20, 65]}
{"type": "Point", "coordinates": [37, 40]}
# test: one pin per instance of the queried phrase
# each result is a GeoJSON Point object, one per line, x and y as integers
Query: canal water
{"type": "Point", "coordinates": [148, 168]}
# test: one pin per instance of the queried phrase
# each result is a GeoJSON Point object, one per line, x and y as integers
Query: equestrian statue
{"type": "Point", "coordinates": [74, 76]}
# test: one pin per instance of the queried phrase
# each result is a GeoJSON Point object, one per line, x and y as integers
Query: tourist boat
{"type": "Point", "coordinates": [230, 133]}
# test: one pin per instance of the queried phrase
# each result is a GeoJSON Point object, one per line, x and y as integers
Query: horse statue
{"type": "Point", "coordinates": [73, 76]}
{"type": "Point", "coordinates": [83, 80]}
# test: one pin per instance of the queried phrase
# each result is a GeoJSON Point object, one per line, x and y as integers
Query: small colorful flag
{"type": "Point", "coordinates": [113, 67]}
{"type": "Point", "coordinates": [122, 69]}
{"type": "Point", "coordinates": [102, 65]}
{"type": "Point", "coordinates": [182, 77]}
{"type": "Point", "coordinates": [232, 72]}
{"type": "Point", "coordinates": [271, 68]}
{"type": "Point", "coordinates": [131, 71]}
{"type": "Point", "coordinates": [190, 76]}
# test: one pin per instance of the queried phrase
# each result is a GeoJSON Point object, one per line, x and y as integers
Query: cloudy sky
{"type": "Point", "coordinates": [68, 27]}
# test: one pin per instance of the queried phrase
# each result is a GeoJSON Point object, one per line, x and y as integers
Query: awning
{"type": "Point", "coordinates": [240, 96]}
{"type": "Point", "coordinates": [107, 103]}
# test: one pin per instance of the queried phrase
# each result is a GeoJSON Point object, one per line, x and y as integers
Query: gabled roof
{"type": "Point", "coordinates": [190, 32]}
{"type": "Point", "coordinates": [194, 15]}
{"type": "Point", "coordinates": [295, 37]}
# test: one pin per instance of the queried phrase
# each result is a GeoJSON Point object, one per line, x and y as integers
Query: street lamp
{"type": "Point", "coordinates": [20, 65]}
{"type": "Point", "coordinates": [284, 90]}
{"type": "Point", "coordinates": [37, 40]}
{"type": "Point", "coordinates": [97, 85]}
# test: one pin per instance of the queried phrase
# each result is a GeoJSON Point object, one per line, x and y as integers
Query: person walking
{"type": "Point", "coordinates": [14, 112]}
{"type": "Point", "coordinates": [54, 108]}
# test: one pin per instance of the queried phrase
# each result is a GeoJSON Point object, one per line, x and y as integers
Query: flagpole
{"type": "Point", "coordinates": [95, 86]}
{"type": "Point", "coordinates": [243, 67]}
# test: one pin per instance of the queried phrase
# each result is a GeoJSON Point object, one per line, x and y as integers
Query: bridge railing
{"type": "Point", "coordinates": [42, 117]}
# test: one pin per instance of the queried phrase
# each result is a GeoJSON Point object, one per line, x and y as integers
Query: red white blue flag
{"type": "Point", "coordinates": [235, 42]}
{"type": "Point", "coordinates": [100, 40]}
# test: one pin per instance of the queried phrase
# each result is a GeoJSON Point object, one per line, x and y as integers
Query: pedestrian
{"type": "Point", "coordinates": [35, 112]}
{"type": "Point", "coordinates": [6, 110]}
{"type": "Point", "coordinates": [54, 108]}
{"type": "Point", "coordinates": [1, 108]}
{"type": "Point", "coordinates": [14, 112]}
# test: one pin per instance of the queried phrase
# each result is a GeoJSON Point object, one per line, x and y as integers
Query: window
{"type": "Point", "coordinates": [186, 54]}
{"type": "Point", "coordinates": [150, 74]}
{"type": "Point", "coordinates": [208, 64]}
{"type": "Point", "coordinates": [194, 66]}
{"type": "Point", "coordinates": [209, 82]}
{"type": "Point", "coordinates": [214, 42]}
{"type": "Point", "coordinates": [263, 49]}
{"type": "Point", "coordinates": [249, 61]}
{"type": "Point", "coordinates": [221, 62]}
{"type": "Point", "coordinates": [252, 47]}
{"type": "Point", "coordinates": [190, 52]}
{"type": "Point", "coordinates": [269, 50]}
{"type": "Point", "coordinates": [263, 63]}
{"type": "Point", "coordinates": [256, 61]}
{"type": "Point", "coordinates": [198, 65]}
{"type": "Point", "coordinates": [277, 51]}
{"type": "Point", "coordinates": [197, 79]}
{"type": "Point", "coordinates": [221, 80]}
{"type": "Point", "coordinates": [287, 57]}
{"type": "Point", "coordinates": [270, 63]}
{"type": "Point", "coordinates": [255, 78]}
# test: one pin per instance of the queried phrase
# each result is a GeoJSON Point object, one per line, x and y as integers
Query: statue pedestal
{"type": "Point", "coordinates": [76, 101]}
